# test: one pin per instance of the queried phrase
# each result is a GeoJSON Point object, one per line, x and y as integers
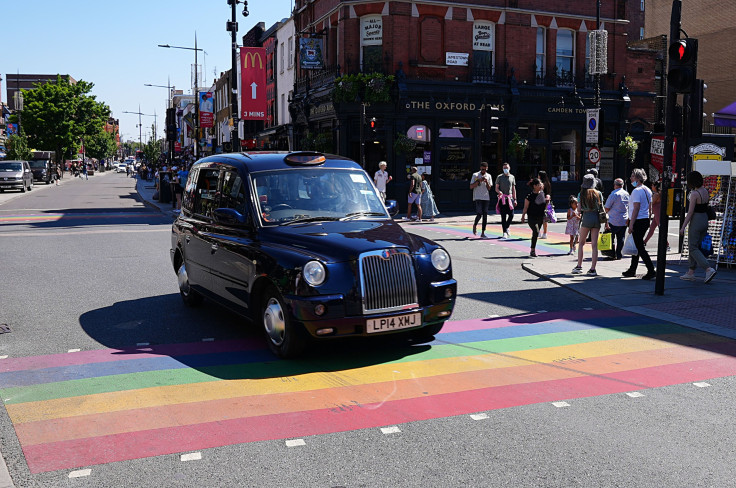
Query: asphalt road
{"type": "Point", "coordinates": [86, 267]}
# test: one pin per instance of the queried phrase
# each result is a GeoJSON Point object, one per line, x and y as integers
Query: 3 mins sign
{"type": "Point", "coordinates": [253, 83]}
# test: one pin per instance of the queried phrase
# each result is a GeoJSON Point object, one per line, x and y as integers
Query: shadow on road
{"type": "Point", "coordinates": [224, 345]}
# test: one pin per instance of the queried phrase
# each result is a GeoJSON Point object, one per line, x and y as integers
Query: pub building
{"type": "Point", "coordinates": [468, 79]}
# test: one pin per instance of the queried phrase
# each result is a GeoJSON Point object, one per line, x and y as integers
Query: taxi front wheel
{"type": "Point", "coordinates": [284, 338]}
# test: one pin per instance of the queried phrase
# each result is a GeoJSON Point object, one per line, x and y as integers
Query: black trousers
{"type": "Point", "coordinates": [619, 233]}
{"type": "Point", "coordinates": [535, 224]}
{"type": "Point", "coordinates": [481, 212]}
{"type": "Point", "coordinates": [641, 226]}
{"type": "Point", "coordinates": [507, 216]}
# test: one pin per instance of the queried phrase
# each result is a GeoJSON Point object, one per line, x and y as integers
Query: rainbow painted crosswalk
{"type": "Point", "coordinates": [91, 407]}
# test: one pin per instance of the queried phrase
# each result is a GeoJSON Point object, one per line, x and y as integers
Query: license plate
{"type": "Point", "coordinates": [395, 322]}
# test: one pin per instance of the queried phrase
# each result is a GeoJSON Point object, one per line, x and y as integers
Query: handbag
{"type": "Point", "coordinates": [602, 216]}
{"type": "Point", "coordinates": [605, 241]}
{"type": "Point", "coordinates": [549, 214]}
{"type": "Point", "coordinates": [706, 245]}
{"type": "Point", "coordinates": [711, 213]}
{"type": "Point", "coordinates": [629, 248]}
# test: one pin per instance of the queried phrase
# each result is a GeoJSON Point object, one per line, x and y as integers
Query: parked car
{"type": "Point", "coordinates": [15, 174]}
{"type": "Point", "coordinates": [120, 167]}
{"type": "Point", "coordinates": [43, 170]}
{"type": "Point", "coordinates": [302, 245]}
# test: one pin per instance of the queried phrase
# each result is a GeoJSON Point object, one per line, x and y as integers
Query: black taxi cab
{"type": "Point", "coordinates": [302, 245]}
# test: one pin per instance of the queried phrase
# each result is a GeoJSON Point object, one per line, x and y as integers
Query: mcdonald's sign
{"type": "Point", "coordinates": [253, 83]}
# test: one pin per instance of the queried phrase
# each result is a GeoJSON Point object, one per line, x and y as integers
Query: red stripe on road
{"type": "Point", "coordinates": [120, 447]}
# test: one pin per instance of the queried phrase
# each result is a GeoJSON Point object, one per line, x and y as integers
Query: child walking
{"type": "Point", "coordinates": [573, 223]}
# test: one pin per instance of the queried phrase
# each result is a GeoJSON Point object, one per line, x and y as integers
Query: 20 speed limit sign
{"type": "Point", "coordinates": [594, 155]}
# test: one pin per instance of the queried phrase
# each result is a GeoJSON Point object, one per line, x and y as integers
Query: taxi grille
{"type": "Point", "coordinates": [387, 280]}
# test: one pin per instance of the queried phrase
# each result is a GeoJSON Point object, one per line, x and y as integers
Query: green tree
{"type": "Point", "coordinates": [57, 115]}
{"type": "Point", "coordinates": [152, 150]}
{"type": "Point", "coordinates": [101, 145]}
{"type": "Point", "coordinates": [17, 147]}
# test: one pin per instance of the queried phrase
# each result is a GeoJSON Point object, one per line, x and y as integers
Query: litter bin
{"type": "Point", "coordinates": [164, 187]}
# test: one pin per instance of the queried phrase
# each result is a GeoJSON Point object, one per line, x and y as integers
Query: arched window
{"type": "Point", "coordinates": [565, 60]}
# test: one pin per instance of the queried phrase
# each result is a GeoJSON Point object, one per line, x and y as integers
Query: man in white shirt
{"type": "Point", "coordinates": [481, 184]}
{"type": "Point", "coordinates": [381, 178]}
{"type": "Point", "coordinates": [640, 202]}
{"type": "Point", "coordinates": [617, 208]}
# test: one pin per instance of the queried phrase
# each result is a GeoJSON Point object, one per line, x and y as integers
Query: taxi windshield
{"type": "Point", "coordinates": [312, 194]}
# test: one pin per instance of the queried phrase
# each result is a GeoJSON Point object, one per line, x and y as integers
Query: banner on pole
{"type": "Point", "coordinates": [253, 83]}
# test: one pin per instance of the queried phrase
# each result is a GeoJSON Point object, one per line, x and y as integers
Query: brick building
{"type": "Point", "coordinates": [708, 22]}
{"type": "Point", "coordinates": [469, 76]}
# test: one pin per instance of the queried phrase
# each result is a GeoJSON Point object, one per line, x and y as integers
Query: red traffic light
{"type": "Point", "coordinates": [683, 63]}
{"type": "Point", "coordinates": [373, 123]}
{"type": "Point", "coordinates": [683, 50]}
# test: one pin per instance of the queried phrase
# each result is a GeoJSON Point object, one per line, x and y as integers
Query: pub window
{"type": "Point", "coordinates": [565, 60]}
{"type": "Point", "coordinates": [371, 43]}
{"type": "Point", "coordinates": [455, 162]}
{"type": "Point", "coordinates": [483, 37]}
{"type": "Point", "coordinates": [455, 129]}
{"type": "Point", "coordinates": [531, 130]}
{"type": "Point", "coordinates": [566, 156]}
{"type": "Point", "coordinates": [540, 59]}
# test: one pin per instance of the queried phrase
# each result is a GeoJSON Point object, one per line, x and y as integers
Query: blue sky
{"type": "Point", "coordinates": [115, 46]}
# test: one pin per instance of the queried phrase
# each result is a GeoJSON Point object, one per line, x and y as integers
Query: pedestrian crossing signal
{"type": "Point", "coordinates": [683, 63]}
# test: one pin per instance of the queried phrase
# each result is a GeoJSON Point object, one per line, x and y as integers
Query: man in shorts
{"type": "Point", "coordinates": [381, 178]}
{"type": "Point", "coordinates": [415, 193]}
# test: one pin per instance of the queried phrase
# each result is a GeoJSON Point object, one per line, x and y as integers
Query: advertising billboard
{"type": "Point", "coordinates": [253, 83]}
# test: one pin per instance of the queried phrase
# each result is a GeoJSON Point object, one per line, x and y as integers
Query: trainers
{"type": "Point", "coordinates": [532, 254]}
{"type": "Point", "coordinates": [505, 235]}
{"type": "Point", "coordinates": [709, 275]}
{"type": "Point", "coordinates": [629, 273]}
{"type": "Point", "coordinates": [475, 230]}
{"type": "Point", "coordinates": [577, 270]}
{"type": "Point", "coordinates": [649, 275]}
{"type": "Point", "coordinates": [592, 272]}
{"type": "Point", "coordinates": [483, 236]}
{"type": "Point", "coordinates": [570, 252]}
{"type": "Point", "coordinates": [543, 236]}
{"type": "Point", "coordinates": [688, 277]}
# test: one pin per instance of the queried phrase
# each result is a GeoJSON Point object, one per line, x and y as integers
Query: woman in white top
{"type": "Point", "coordinates": [640, 203]}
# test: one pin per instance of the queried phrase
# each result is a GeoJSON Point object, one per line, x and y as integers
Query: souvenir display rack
{"type": "Point", "coordinates": [722, 230]}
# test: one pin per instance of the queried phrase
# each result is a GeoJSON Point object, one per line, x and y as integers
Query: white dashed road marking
{"type": "Point", "coordinates": [702, 384]}
{"type": "Point", "coordinates": [208, 339]}
{"type": "Point", "coordinates": [74, 350]}
{"type": "Point", "coordinates": [479, 416]}
{"type": "Point", "coordinates": [635, 394]}
{"type": "Point", "coordinates": [295, 443]}
{"type": "Point", "coordinates": [560, 404]}
{"type": "Point", "coordinates": [192, 456]}
{"type": "Point", "coordinates": [390, 430]}
{"type": "Point", "coordinates": [80, 473]}
{"type": "Point", "coordinates": [3, 357]}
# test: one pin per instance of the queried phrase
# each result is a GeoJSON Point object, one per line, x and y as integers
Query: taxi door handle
{"type": "Point", "coordinates": [188, 238]}
{"type": "Point", "coordinates": [214, 248]}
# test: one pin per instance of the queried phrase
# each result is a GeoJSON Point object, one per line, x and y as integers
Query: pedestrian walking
{"type": "Point", "coordinates": [640, 204]}
{"type": "Point", "coordinates": [534, 206]}
{"type": "Point", "coordinates": [415, 193]}
{"type": "Point", "coordinates": [506, 192]}
{"type": "Point", "coordinates": [696, 223]}
{"type": "Point", "coordinates": [573, 223]}
{"type": "Point", "coordinates": [617, 208]}
{"type": "Point", "coordinates": [481, 183]}
{"type": "Point", "coordinates": [591, 204]}
{"type": "Point", "coordinates": [84, 171]}
{"type": "Point", "coordinates": [57, 175]}
{"type": "Point", "coordinates": [547, 185]}
{"type": "Point", "coordinates": [429, 206]}
{"type": "Point", "coordinates": [381, 178]}
{"type": "Point", "coordinates": [656, 209]}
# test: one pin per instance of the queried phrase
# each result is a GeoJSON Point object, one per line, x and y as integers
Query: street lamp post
{"type": "Point", "coordinates": [140, 126]}
{"type": "Point", "coordinates": [168, 105]}
{"type": "Point", "coordinates": [196, 89]}
{"type": "Point", "coordinates": [232, 26]}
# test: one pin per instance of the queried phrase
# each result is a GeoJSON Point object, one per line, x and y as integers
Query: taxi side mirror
{"type": "Point", "coordinates": [392, 207]}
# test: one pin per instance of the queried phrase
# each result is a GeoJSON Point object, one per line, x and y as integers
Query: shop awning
{"type": "Point", "coordinates": [726, 117]}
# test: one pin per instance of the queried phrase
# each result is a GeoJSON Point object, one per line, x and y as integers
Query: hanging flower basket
{"type": "Point", "coordinates": [518, 145]}
{"type": "Point", "coordinates": [403, 144]}
{"type": "Point", "coordinates": [627, 148]}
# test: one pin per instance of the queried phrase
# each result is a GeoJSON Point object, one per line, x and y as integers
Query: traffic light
{"type": "Point", "coordinates": [696, 100]}
{"type": "Point", "coordinates": [373, 125]}
{"type": "Point", "coordinates": [489, 123]}
{"type": "Point", "coordinates": [683, 63]}
{"type": "Point", "coordinates": [171, 124]}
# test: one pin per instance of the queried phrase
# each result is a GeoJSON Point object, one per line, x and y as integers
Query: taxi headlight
{"type": "Point", "coordinates": [314, 273]}
{"type": "Point", "coordinates": [440, 260]}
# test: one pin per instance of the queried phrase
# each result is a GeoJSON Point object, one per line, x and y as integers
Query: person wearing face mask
{"type": "Point", "coordinates": [506, 192]}
{"type": "Point", "coordinates": [640, 203]}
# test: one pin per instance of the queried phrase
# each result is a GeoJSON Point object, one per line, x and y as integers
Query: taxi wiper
{"type": "Point", "coordinates": [309, 219]}
{"type": "Point", "coordinates": [353, 215]}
